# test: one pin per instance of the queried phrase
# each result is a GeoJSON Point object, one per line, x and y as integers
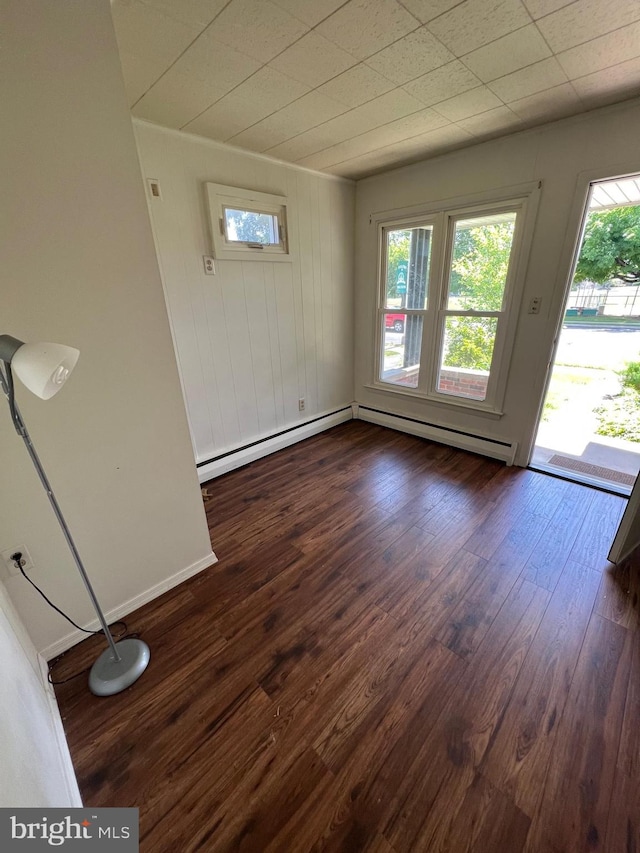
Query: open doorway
{"type": "Point", "coordinates": [589, 429]}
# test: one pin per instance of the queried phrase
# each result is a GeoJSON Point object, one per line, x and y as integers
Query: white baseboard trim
{"type": "Point", "coordinates": [268, 445]}
{"type": "Point", "coordinates": [474, 443]}
{"type": "Point", "coordinates": [127, 607]}
{"type": "Point", "coordinates": [73, 798]}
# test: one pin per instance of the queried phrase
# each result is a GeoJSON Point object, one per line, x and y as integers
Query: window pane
{"type": "Point", "coordinates": [479, 262]}
{"type": "Point", "coordinates": [251, 227]}
{"type": "Point", "coordinates": [466, 356]}
{"type": "Point", "coordinates": [407, 265]}
{"type": "Point", "coordinates": [401, 359]}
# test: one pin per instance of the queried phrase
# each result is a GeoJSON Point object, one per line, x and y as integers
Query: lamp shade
{"type": "Point", "coordinates": [44, 368]}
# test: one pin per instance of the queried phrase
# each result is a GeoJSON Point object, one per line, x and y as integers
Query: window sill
{"type": "Point", "coordinates": [476, 407]}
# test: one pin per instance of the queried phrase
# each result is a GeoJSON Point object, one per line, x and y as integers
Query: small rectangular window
{"type": "Point", "coordinates": [250, 226]}
{"type": "Point", "coordinates": [247, 224]}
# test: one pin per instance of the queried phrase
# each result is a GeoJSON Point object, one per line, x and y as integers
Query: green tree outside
{"type": "Point", "coordinates": [398, 246]}
{"type": "Point", "coordinates": [480, 263]}
{"type": "Point", "coordinates": [611, 247]}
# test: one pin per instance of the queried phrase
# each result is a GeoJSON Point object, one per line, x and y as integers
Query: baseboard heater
{"type": "Point", "coordinates": [503, 450]}
{"type": "Point", "coordinates": [217, 465]}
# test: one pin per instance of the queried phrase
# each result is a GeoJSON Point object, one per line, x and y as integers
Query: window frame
{"type": "Point", "coordinates": [522, 200]}
{"type": "Point", "coordinates": [221, 198]}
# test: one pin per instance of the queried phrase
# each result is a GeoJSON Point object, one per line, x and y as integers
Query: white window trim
{"type": "Point", "coordinates": [524, 199]}
{"type": "Point", "coordinates": [220, 196]}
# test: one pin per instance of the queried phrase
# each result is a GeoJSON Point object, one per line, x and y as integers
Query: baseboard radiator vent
{"type": "Point", "coordinates": [209, 469]}
{"type": "Point", "coordinates": [503, 450]}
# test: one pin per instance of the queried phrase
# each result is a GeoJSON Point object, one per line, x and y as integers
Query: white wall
{"type": "Point", "coordinates": [564, 156]}
{"type": "Point", "coordinates": [79, 267]}
{"type": "Point", "coordinates": [257, 336]}
{"type": "Point", "coordinates": [36, 766]}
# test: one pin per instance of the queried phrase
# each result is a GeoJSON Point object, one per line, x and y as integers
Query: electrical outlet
{"type": "Point", "coordinates": [534, 305]}
{"type": "Point", "coordinates": [209, 265]}
{"type": "Point", "coordinates": [10, 566]}
{"type": "Point", "coordinates": [301, 404]}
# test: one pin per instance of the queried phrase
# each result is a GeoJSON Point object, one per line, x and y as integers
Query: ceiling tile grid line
{"type": "Point", "coordinates": [415, 24]}
{"type": "Point", "coordinates": [207, 27]}
{"type": "Point", "coordinates": [302, 38]}
{"type": "Point", "coordinates": [481, 92]}
{"type": "Point", "coordinates": [316, 80]}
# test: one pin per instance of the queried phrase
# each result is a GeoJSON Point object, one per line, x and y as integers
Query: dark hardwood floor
{"type": "Point", "coordinates": [403, 647]}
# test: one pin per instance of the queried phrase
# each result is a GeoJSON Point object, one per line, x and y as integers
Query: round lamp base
{"type": "Point", "coordinates": [108, 677]}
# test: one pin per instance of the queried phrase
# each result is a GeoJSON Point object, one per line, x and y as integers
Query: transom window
{"type": "Point", "coordinates": [448, 283]}
{"type": "Point", "coordinates": [247, 224]}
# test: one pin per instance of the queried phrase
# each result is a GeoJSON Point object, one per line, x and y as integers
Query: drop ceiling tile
{"type": "Point", "coordinates": [306, 143]}
{"type": "Point", "coordinates": [427, 10]}
{"type": "Point", "coordinates": [409, 149]}
{"type": "Point", "coordinates": [475, 23]}
{"type": "Point", "coordinates": [207, 60]}
{"type": "Point", "coordinates": [611, 49]}
{"type": "Point", "coordinates": [445, 82]}
{"type": "Point", "coordinates": [176, 99]}
{"type": "Point", "coordinates": [364, 27]}
{"type": "Point", "coordinates": [139, 75]}
{"type": "Point", "coordinates": [419, 123]}
{"type": "Point", "coordinates": [497, 120]}
{"type": "Point", "coordinates": [412, 125]}
{"type": "Point", "coordinates": [382, 110]}
{"type": "Point", "coordinates": [305, 113]}
{"type": "Point", "coordinates": [148, 34]}
{"type": "Point", "coordinates": [311, 12]}
{"type": "Point", "coordinates": [356, 86]}
{"type": "Point", "coordinates": [553, 103]}
{"type": "Point", "coordinates": [585, 20]}
{"type": "Point", "coordinates": [337, 154]}
{"type": "Point", "coordinates": [540, 8]}
{"type": "Point", "coordinates": [410, 57]}
{"type": "Point", "coordinates": [264, 93]}
{"type": "Point", "coordinates": [509, 53]}
{"type": "Point", "coordinates": [200, 12]}
{"type": "Point", "coordinates": [610, 84]}
{"type": "Point", "coordinates": [536, 78]}
{"type": "Point", "coordinates": [468, 104]}
{"type": "Point", "coordinates": [313, 60]}
{"type": "Point", "coordinates": [258, 28]}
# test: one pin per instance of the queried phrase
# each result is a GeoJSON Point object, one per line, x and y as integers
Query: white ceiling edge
{"type": "Point", "coordinates": [215, 143]}
{"type": "Point", "coordinates": [576, 118]}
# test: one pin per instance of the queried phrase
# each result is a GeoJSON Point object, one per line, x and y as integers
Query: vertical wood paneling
{"type": "Point", "coordinates": [303, 192]}
{"type": "Point", "coordinates": [260, 343]}
{"type": "Point", "coordinates": [233, 294]}
{"type": "Point", "coordinates": [257, 336]}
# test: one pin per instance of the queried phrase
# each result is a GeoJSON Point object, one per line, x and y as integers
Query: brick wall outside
{"type": "Point", "coordinates": [464, 382]}
{"type": "Point", "coordinates": [460, 381]}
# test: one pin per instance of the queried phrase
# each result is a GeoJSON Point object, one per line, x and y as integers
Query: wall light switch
{"type": "Point", "coordinates": [209, 265]}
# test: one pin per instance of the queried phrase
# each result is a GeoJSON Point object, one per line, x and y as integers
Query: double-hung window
{"type": "Point", "coordinates": [450, 285]}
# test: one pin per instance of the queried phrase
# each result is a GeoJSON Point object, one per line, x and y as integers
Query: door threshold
{"type": "Point", "coordinates": [583, 479]}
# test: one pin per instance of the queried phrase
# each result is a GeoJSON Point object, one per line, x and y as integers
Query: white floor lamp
{"type": "Point", "coordinates": [43, 368]}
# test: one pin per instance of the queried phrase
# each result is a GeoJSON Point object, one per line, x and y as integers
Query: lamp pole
{"type": "Point", "coordinates": [23, 432]}
{"type": "Point", "coordinates": [43, 368]}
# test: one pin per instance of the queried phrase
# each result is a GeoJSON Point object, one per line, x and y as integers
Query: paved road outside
{"type": "Point", "coordinates": [597, 347]}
